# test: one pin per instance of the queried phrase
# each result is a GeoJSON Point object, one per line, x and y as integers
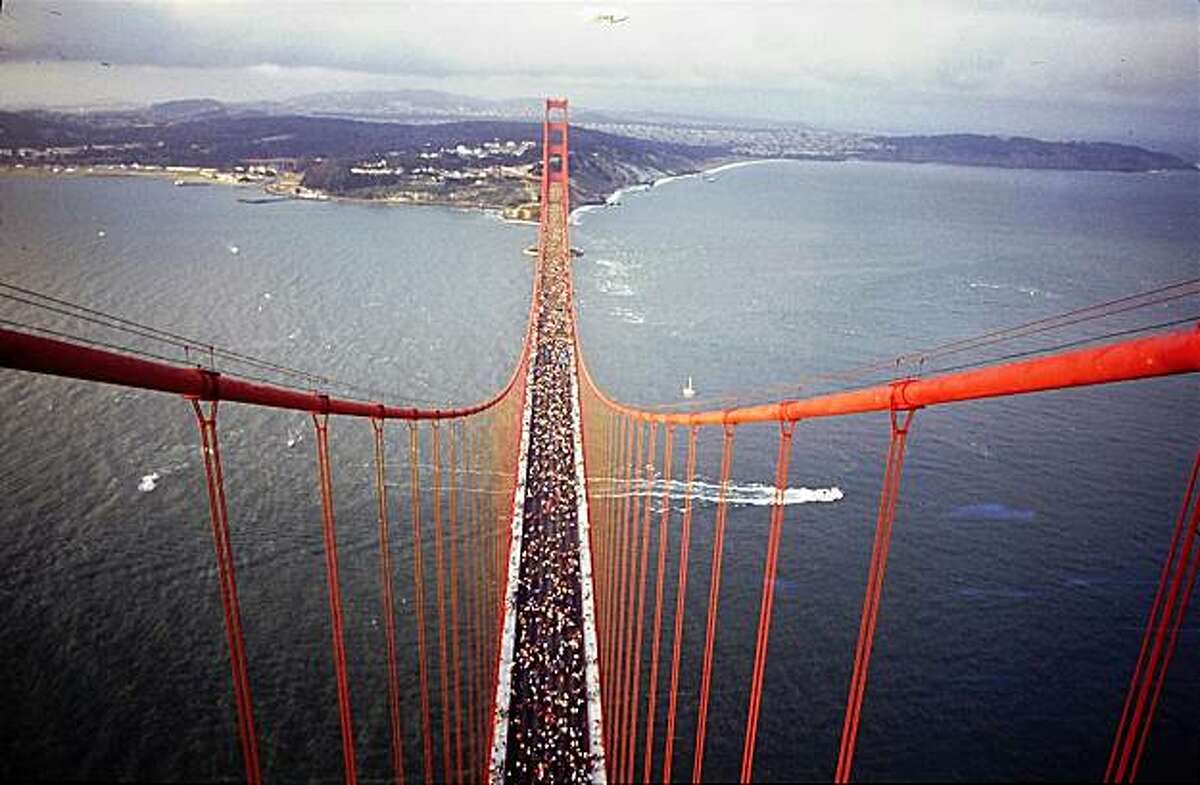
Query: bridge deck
{"type": "Point", "coordinates": [550, 731]}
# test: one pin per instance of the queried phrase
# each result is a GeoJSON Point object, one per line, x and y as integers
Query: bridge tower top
{"type": "Point", "coordinates": [555, 154]}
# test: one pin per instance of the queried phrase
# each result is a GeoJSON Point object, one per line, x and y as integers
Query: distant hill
{"type": "Point", "coordinates": [465, 161]}
{"type": "Point", "coordinates": [186, 109]}
{"type": "Point", "coordinates": [1020, 153]}
{"type": "Point", "coordinates": [407, 105]}
{"type": "Point", "coordinates": [203, 135]}
{"type": "Point", "coordinates": [429, 105]}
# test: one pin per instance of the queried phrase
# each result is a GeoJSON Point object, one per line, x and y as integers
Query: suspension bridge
{"type": "Point", "coordinates": [556, 569]}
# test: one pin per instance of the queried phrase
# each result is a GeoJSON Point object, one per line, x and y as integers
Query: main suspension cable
{"type": "Point", "coordinates": [919, 358]}
{"type": "Point", "coordinates": [195, 350]}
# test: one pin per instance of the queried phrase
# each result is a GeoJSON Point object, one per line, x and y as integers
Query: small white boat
{"type": "Point", "coordinates": [233, 249]}
{"type": "Point", "coordinates": [689, 391]}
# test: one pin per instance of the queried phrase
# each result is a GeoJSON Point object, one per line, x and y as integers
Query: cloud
{"type": "Point", "coordinates": [220, 35]}
{"type": "Point", "coordinates": [858, 52]}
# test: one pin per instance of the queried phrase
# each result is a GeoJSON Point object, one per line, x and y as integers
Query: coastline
{"type": "Point", "coordinates": [285, 187]}
{"type": "Point", "coordinates": [613, 199]}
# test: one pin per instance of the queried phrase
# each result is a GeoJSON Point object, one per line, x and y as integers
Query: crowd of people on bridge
{"type": "Point", "coordinates": [548, 738]}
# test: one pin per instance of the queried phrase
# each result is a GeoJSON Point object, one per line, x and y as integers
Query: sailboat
{"type": "Point", "coordinates": [689, 391]}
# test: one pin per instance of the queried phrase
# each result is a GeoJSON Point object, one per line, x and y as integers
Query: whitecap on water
{"type": "Point", "coordinates": [613, 277]}
{"type": "Point", "coordinates": [1029, 291]}
{"type": "Point", "coordinates": [628, 315]}
{"type": "Point", "coordinates": [149, 482]}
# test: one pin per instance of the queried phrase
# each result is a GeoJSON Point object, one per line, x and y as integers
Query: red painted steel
{"type": "Point", "coordinates": [625, 687]}
{"type": "Point", "coordinates": [1166, 611]}
{"type": "Point", "coordinates": [389, 603]}
{"type": "Point", "coordinates": [474, 557]}
{"type": "Point", "coordinates": [1140, 358]}
{"type": "Point", "coordinates": [38, 354]}
{"type": "Point", "coordinates": [714, 596]}
{"type": "Point", "coordinates": [210, 450]}
{"type": "Point", "coordinates": [630, 754]}
{"type": "Point", "coordinates": [685, 537]}
{"type": "Point", "coordinates": [455, 655]}
{"type": "Point", "coordinates": [659, 574]}
{"type": "Point", "coordinates": [768, 598]}
{"type": "Point", "coordinates": [618, 647]}
{"type": "Point", "coordinates": [440, 594]}
{"type": "Point", "coordinates": [321, 425]}
{"type": "Point", "coordinates": [874, 592]}
{"type": "Point", "coordinates": [414, 448]}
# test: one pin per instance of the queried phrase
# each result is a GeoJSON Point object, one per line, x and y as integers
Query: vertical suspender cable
{"type": "Point", "coordinates": [714, 597]}
{"type": "Point", "coordinates": [874, 591]}
{"type": "Point", "coordinates": [618, 553]}
{"type": "Point", "coordinates": [478, 551]}
{"type": "Point", "coordinates": [625, 651]}
{"type": "Point", "coordinates": [597, 525]}
{"type": "Point", "coordinates": [607, 662]}
{"type": "Point", "coordinates": [321, 424]}
{"type": "Point", "coordinates": [490, 545]}
{"type": "Point", "coordinates": [467, 664]}
{"type": "Point", "coordinates": [219, 517]}
{"type": "Point", "coordinates": [455, 658]}
{"type": "Point", "coordinates": [685, 538]}
{"type": "Point", "coordinates": [389, 606]}
{"type": "Point", "coordinates": [599, 529]}
{"type": "Point", "coordinates": [1189, 585]}
{"type": "Point", "coordinates": [622, 551]}
{"type": "Point", "coordinates": [483, 539]}
{"type": "Point", "coordinates": [768, 597]}
{"type": "Point", "coordinates": [471, 568]}
{"type": "Point", "coordinates": [419, 592]}
{"type": "Point", "coordinates": [664, 519]}
{"type": "Point", "coordinates": [440, 589]}
{"type": "Point", "coordinates": [631, 744]}
{"type": "Point", "coordinates": [1134, 727]}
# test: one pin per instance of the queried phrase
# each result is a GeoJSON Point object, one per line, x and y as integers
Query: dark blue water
{"type": "Point", "coordinates": [1028, 537]}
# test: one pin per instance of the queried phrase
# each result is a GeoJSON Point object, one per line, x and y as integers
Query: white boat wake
{"type": "Point", "coordinates": [747, 495]}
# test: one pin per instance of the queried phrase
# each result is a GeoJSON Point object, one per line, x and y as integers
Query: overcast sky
{"type": "Point", "coordinates": [1124, 70]}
